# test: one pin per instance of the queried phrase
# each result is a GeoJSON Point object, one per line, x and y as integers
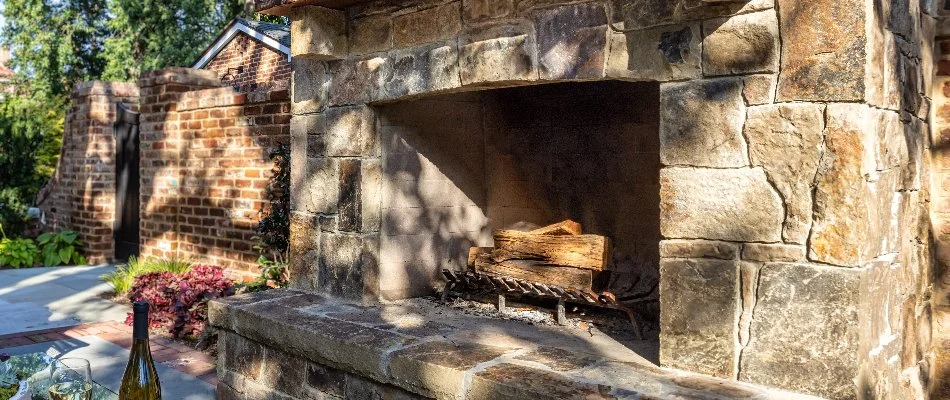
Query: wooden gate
{"type": "Point", "coordinates": [126, 228]}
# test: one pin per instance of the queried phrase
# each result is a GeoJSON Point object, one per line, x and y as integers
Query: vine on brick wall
{"type": "Point", "coordinates": [273, 230]}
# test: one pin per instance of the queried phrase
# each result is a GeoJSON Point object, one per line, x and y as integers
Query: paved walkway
{"type": "Point", "coordinates": [34, 299]}
{"type": "Point", "coordinates": [59, 311]}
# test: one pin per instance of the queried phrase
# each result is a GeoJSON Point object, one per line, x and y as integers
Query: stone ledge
{"type": "Point", "coordinates": [435, 351]}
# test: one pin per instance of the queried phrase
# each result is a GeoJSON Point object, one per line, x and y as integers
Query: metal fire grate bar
{"type": "Point", "coordinates": [475, 282]}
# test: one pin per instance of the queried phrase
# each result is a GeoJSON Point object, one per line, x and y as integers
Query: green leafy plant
{"type": "Point", "coordinates": [273, 230]}
{"type": "Point", "coordinates": [273, 275]}
{"type": "Point", "coordinates": [61, 248]}
{"type": "Point", "coordinates": [18, 252]}
{"type": "Point", "coordinates": [124, 276]}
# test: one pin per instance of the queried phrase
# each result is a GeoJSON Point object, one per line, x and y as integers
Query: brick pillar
{"type": "Point", "coordinates": [161, 146]}
{"type": "Point", "coordinates": [81, 194]}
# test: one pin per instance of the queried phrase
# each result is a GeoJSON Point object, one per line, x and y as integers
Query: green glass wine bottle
{"type": "Point", "coordinates": [140, 381]}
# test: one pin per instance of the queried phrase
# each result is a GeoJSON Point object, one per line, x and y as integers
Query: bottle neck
{"type": "Point", "coordinates": [140, 326]}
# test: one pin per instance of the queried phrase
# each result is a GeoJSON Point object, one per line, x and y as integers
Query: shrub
{"type": "Point", "coordinates": [273, 275]}
{"type": "Point", "coordinates": [16, 253]}
{"type": "Point", "coordinates": [179, 302]}
{"type": "Point", "coordinates": [124, 276]}
{"type": "Point", "coordinates": [61, 248]}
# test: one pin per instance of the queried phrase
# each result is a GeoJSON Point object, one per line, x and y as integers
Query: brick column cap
{"type": "Point", "coordinates": [179, 75]}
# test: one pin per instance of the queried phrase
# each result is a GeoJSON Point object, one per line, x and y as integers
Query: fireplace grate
{"type": "Point", "coordinates": [482, 283]}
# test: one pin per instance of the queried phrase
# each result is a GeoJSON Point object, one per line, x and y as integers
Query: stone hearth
{"type": "Point", "coordinates": [418, 350]}
{"type": "Point", "coordinates": [783, 200]}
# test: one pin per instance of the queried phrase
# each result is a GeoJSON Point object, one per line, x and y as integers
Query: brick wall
{"type": "Point", "coordinates": [205, 163]}
{"type": "Point", "coordinates": [249, 65]}
{"type": "Point", "coordinates": [81, 194]}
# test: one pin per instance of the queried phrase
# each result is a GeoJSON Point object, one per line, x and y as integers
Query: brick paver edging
{"type": "Point", "coordinates": [168, 352]}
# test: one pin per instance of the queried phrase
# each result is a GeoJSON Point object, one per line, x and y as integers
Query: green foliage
{"type": "Point", "coordinates": [273, 275]}
{"type": "Point", "coordinates": [61, 248]}
{"type": "Point", "coordinates": [18, 253]}
{"type": "Point", "coordinates": [273, 230]}
{"type": "Point", "coordinates": [124, 276]}
{"type": "Point", "coordinates": [30, 138]}
{"type": "Point", "coordinates": [151, 34]}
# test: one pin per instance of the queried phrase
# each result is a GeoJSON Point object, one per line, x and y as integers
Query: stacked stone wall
{"type": "Point", "coordinates": [248, 65]}
{"type": "Point", "coordinates": [205, 164]}
{"type": "Point", "coordinates": [793, 144]}
{"type": "Point", "coordinates": [81, 194]}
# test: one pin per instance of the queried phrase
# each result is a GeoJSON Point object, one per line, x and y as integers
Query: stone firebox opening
{"type": "Point", "coordinates": [457, 166]}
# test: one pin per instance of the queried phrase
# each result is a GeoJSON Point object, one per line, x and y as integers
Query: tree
{"type": "Point", "coordinates": [151, 34]}
{"type": "Point", "coordinates": [30, 139]}
{"type": "Point", "coordinates": [55, 44]}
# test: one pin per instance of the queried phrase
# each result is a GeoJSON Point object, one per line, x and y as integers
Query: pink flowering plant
{"type": "Point", "coordinates": [179, 302]}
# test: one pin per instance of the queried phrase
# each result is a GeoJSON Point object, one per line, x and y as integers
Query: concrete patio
{"type": "Point", "coordinates": [42, 298]}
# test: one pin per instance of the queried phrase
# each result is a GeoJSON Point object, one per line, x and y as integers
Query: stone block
{"type": "Point", "coordinates": [358, 80]}
{"type": "Point", "coordinates": [662, 54]}
{"type": "Point", "coordinates": [719, 204]}
{"type": "Point", "coordinates": [474, 11]}
{"type": "Point", "coordinates": [240, 355]}
{"type": "Point", "coordinates": [422, 69]}
{"type": "Point", "coordinates": [347, 264]}
{"type": "Point", "coordinates": [284, 372]}
{"type": "Point", "coordinates": [221, 311]}
{"type": "Point", "coordinates": [306, 125]}
{"type": "Point", "coordinates": [804, 333]}
{"type": "Point", "coordinates": [676, 248]}
{"type": "Point", "coordinates": [318, 33]}
{"type": "Point", "coordinates": [572, 41]}
{"type": "Point", "coordinates": [361, 388]}
{"type": "Point", "coordinates": [326, 380]}
{"type": "Point", "coordinates": [371, 34]}
{"type": "Point", "coordinates": [332, 342]}
{"type": "Point", "coordinates": [350, 196]}
{"type": "Point", "coordinates": [303, 251]}
{"type": "Point", "coordinates": [426, 26]}
{"type": "Point", "coordinates": [511, 381]}
{"type": "Point", "coordinates": [310, 84]}
{"type": "Point", "coordinates": [786, 140]}
{"type": "Point", "coordinates": [841, 230]}
{"type": "Point", "coordinates": [823, 55]}
{"type": "Point", "coordinates": [773, 252]}
{"type": "Point", "coordinates": [351, 132]}
{"type": "Point", "coordinates": [318, 192]}
{"type": "Point", "coordinates": [371, 200]}
{"type": "Point", "coordinates": [437, 369]}
{"type": "Point", "coordinates": [741, 44]}
{"type": "Point", "coordinates": [496, 55]}
{"type": "Point", "coordinates": [638, 14]}
{"type": "Point", "coordinates": [699, 315]}
{"type": "Point", "coordinates": [759, 89]}
{"type": "Point", "coordinates": [701, 124]}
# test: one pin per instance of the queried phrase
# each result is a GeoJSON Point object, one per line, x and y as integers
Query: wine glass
{"type": "Point", "coordinates": [70, 379]}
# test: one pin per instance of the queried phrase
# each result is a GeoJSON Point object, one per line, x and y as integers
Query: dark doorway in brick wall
{"type": "Point", "coordinates": [456, 166]}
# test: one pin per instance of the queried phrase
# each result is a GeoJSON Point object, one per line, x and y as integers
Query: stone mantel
{"type": "Point", "coordinates": [416, 350]}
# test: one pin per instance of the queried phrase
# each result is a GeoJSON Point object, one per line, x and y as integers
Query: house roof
{"type": "Point", "coordinates": [275, 36]}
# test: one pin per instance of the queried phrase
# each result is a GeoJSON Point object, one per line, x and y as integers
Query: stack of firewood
{"type": "Point", "coordinates": [558, 254]}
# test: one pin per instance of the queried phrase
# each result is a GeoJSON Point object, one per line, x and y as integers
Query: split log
{"type": "Point", "coordinates": [590, 252]}
{"type": "Point", "coordinates": [567, 227]}
{"type": "Point", "coordinates": [481, 259]}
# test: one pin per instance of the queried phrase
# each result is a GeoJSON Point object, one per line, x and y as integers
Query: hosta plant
{"type": "Point", "coordinates": [179, 302]}
{"type": "Point", "coordinates": [61, 248]}
{"type": "Point", "coordinates": [17, 253]}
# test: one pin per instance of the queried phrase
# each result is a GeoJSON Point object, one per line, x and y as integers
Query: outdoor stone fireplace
{"type": "Point", "coordinates": [764, 161]}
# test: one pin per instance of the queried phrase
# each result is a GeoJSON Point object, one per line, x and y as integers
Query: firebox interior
{"type": "Point", "coordinates": [457, 166]}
